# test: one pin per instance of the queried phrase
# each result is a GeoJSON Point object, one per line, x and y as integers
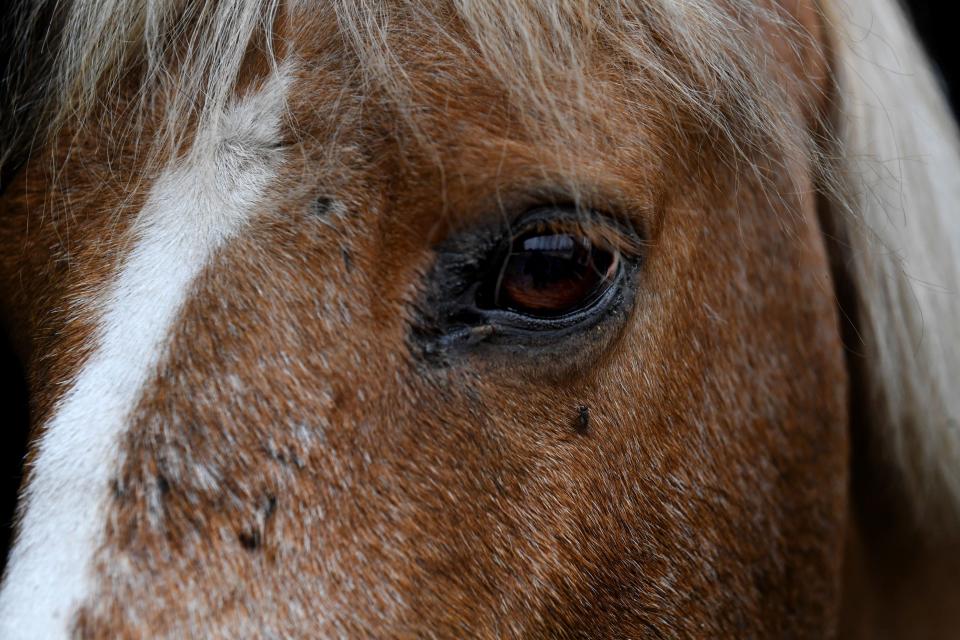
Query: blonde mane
{"type": "Point", "coordinates": [898, 163]}
{"type": "Point", "coordinates": [900, 160]}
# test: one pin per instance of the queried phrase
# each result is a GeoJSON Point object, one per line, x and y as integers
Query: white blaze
{"type": "Point", "coordinates": [191, 211]}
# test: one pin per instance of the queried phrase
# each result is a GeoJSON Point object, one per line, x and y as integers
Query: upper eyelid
{"type": "Point", "coordinates": [596, 225]}
{"type": "Point", "coordinates": [633, 207]}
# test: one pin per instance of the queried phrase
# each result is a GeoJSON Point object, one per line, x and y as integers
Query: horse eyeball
{"type": "Point", "coordinates": [552, 273]}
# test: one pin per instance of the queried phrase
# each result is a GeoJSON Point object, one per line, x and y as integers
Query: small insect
{"type": "Point", "coordinates": [582, 423]}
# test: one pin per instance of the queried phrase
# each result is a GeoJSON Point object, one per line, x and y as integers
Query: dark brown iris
{"type": "Point", "coordinates": [548, 274]}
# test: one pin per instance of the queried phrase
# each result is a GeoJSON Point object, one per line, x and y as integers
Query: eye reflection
{"type": "Point", "coordinates": [550, 273]}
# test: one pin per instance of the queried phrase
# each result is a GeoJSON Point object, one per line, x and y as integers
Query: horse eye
{"type": "Point", "coordinates": [550, 273]}
{"type": "Point", "coordinates": [558, 272]}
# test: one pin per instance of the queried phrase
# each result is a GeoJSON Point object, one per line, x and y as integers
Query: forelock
{"type": "Point", "coordinates": [708, 67]}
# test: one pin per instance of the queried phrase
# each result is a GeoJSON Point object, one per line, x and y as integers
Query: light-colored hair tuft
{"type": "Point", "coordinates": [901, 164]}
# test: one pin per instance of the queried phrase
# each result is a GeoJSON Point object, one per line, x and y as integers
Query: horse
{"type": "Point", "coordinates": [448, 319]}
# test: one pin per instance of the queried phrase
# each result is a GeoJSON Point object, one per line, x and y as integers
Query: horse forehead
{"type": "Point", "coordinates": [191, 211]}
{"type": "Point", "coordinates": [442, 102]}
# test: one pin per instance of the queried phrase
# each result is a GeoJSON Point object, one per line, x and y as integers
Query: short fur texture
{"type": "Point", "coordinates": [292, 465]}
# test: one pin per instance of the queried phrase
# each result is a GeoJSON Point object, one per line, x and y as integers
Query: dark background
{"type": "Point", "coordinates": [939, 33]}
{"type": "Point", "coordinates": [931, 18]}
